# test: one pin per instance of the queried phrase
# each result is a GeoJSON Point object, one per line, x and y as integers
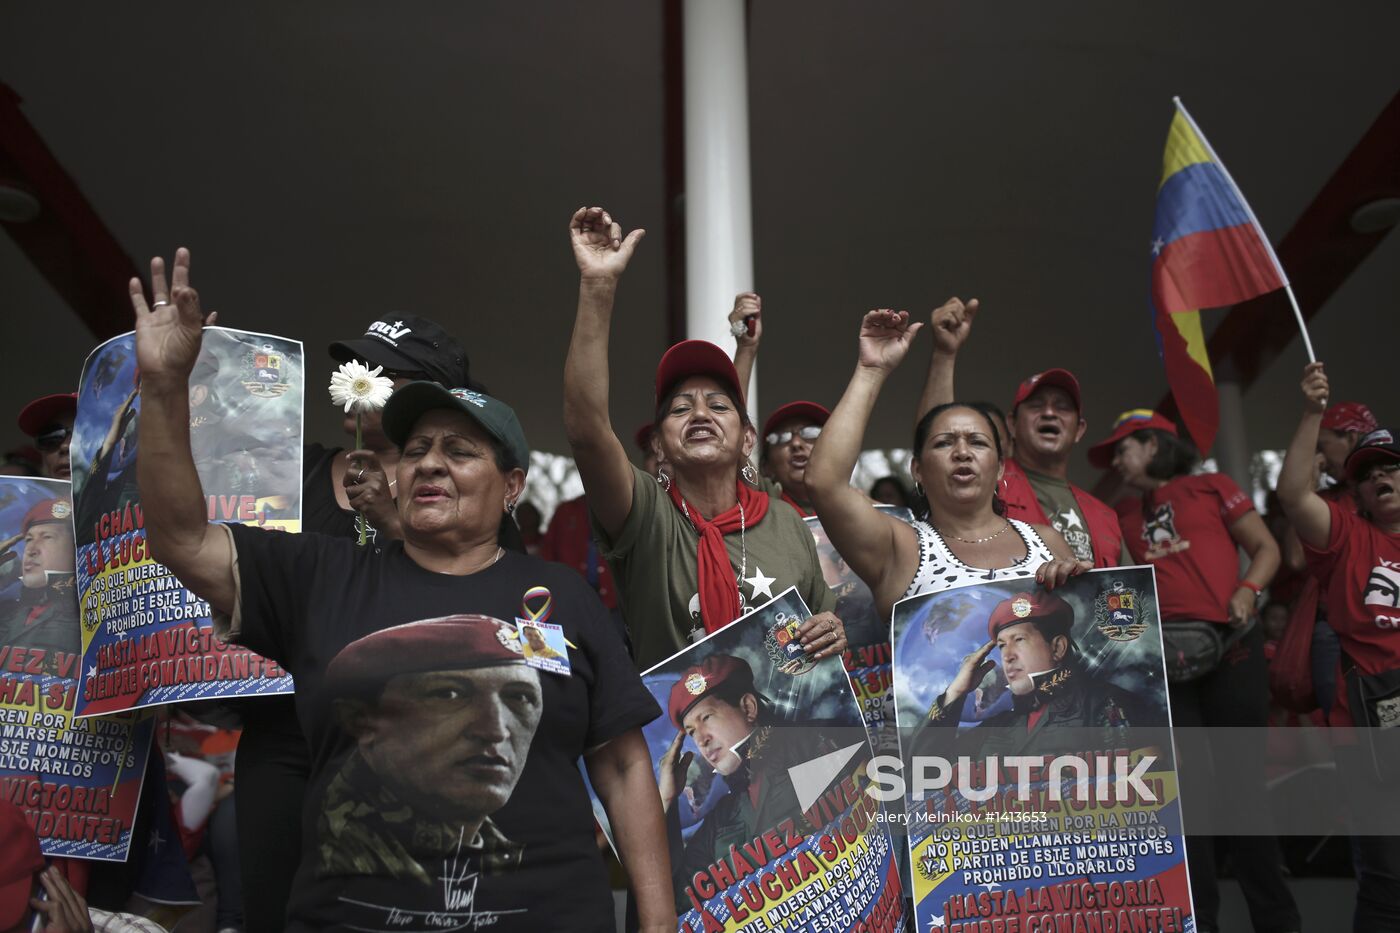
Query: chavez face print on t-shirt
{"type": "Point", "coordinates": [442, 713]}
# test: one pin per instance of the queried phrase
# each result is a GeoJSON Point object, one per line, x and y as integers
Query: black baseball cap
{"type": "Point", "coordinates": [1377, 447]}
{"type": "Point", "coordinates": [410, 344]}
{"type": "Point", "coordinates": [416, 399]}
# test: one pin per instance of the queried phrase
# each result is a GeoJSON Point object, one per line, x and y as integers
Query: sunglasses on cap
{"type": "Point", "coordinates": [780, 438]}
{"type": "Point", "coordinates": [52, 440]}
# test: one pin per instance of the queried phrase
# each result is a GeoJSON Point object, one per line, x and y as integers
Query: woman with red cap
{"type": "Point", "coordinates": [1191, 528]}
{"type": "Point", "coordinates": [694, 547]}
{"type": "Point", "coordinates": [789, 435]}
{"type": "Point", "coordinates": [1355, 557]}
{"type": "Point", "coordinates": [961, 535]}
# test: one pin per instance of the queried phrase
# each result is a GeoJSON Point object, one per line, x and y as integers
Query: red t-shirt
{"type": "Point", "coordinates": [1360, 570]}
{"type": "Point", "coordinates": [1185, 535]}
{"type": "Point", "coordinates": [569, 540]}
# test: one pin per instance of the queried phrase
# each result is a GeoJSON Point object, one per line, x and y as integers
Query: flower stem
{"type": "Point", "coordinates": [359, 443]}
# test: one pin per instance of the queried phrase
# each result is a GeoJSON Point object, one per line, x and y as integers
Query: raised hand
{"type": "Point", "coordinates": [672, 770]}
{"type": "Point", "coordinates": [747, 305]}
{"type": "Point", "coordinates": [885, 336]}
{"type": "Point", "coordinates": [970, 673]}
{"type": "Point", "coordinates": [599, 247]}
{"type": "Point", "coordinates": [951, 324]}
{"type": "Point", "coordinates": [1315, 388]}
{"type": "Point", "coordinates": [169, 330]}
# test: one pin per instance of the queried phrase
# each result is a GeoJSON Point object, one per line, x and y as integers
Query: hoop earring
{"type": "Point", "coordinates": [919, 491]}
{"type": "Point", "coordinates": [663, 479]}
{"type": "Point", "coordinates": [749, 474]}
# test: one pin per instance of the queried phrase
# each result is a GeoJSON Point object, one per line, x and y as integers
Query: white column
{"type": "Point", "coordinates": [1231, 442]}
{"type": "Point", "coordinates": [718, 212]}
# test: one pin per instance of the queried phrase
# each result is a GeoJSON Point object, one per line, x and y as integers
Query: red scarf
{"type": "Point", "coordinates": [720, 602]}
{"type": "Point", "coordinates": [800, 510]}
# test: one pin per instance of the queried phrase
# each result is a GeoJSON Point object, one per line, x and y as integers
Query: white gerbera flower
{"type": "Point", "coordinates": [360, 388]}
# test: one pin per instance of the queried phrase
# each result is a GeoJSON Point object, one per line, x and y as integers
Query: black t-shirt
{"type": "Point", "coordinates": [320, 512]}
{"type": "Point", "coordinates": [371, 860]}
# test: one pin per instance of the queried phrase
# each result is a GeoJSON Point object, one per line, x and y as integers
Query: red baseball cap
{"type": "Point", "coordinates": [20, 860]}
{"type": "Point", "coordinates": [1037, 605]}
{"type": "Point", "coordinates": [447, 644]}
{"type": "Point", "coordinates": [58, 510]}
{"type": "Point", "coordinates": [1377, 447]}
{"type": "Point", "coordinates": [44, 412]}
{"type": "Point", "coordinates": [702, 679]}
{"type": "Point", "coordinates": [696, 358]}
{"type": "Point", "coordinates": [808, 411]}
{"type": "Point", "coordinates": [1130, 422]}
{"type": "Point", "coordinates": [1349, 416]}
{"type": "Point", "coordinates": [1061, 378]}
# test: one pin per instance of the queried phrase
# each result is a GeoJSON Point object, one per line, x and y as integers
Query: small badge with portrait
{"type": "Point", "coordinates": [543, 646]}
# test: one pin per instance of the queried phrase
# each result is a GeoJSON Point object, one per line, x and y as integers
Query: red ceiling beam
{"type": "Point", "coordinates": [67, 242]}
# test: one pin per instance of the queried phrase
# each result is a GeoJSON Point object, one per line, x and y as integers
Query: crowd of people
{"type": "Point", "coordinates": [420, 736]}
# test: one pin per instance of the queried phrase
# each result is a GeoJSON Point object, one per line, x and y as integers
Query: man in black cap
{"type": "Point", "coordinates": [342, 485]}
{"type": "Point", "coordinates": [443, 712]}
{"type": "Point", "coordinates": [1051, 690]}
{"type": "Point", "coordinates": [45, 615]}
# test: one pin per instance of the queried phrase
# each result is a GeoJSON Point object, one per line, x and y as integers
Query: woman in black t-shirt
{"type": "Point", "coordinates": [443, 792]}
{"type": "Point", "coordinates": [273, 764]}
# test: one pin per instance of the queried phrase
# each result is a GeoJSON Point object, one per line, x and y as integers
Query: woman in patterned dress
{"type": "Point", "coordinates": [961, 534]}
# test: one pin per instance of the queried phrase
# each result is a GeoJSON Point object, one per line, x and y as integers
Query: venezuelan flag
{"type": "Point", "coordinates": [1208, 251]}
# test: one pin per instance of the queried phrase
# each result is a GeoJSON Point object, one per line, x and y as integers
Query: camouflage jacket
{"type": "Point", "coordinates": [364, 828]}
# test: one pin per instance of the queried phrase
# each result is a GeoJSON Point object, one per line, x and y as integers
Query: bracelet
{"type": "Point", "coordinates": [1258, 590]}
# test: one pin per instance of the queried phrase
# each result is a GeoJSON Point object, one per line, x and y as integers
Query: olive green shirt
{"type": "Point", "coordinates": [1056, 498]}
{"type": "Point", "coordinates": [654, 558]}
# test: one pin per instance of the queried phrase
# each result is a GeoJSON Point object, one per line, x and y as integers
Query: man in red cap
{"type": "Point", "coordinates": [45, 615]}
{"type": "Point", "coordinates": [1343, 424]}
{"type": "Point", "coordinates": [443, 712]}
{"type": "Point", "coordinates": [716, 705]}
{"type": "Point", "coordinates": [1046, 422]}
{"type": "Point", "coordinates": [1051, 690]}
{"type": "Point", "coordinates": [49, 421]}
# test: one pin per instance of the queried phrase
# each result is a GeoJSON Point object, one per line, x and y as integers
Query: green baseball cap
{"type": "Point", "coordinates": [416, 399]}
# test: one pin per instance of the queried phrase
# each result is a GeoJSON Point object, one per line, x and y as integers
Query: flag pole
{"type": "Point", "coordinates": [1287, 286]}
{"type": "Point", "coordinates": [1303, 328]}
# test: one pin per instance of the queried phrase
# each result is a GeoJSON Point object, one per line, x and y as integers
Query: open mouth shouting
{"type": "Point", "coordinates": [701, 433]}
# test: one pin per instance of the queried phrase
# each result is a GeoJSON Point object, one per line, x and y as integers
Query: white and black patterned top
{"type": "Point", "coordinates": [939, 569]}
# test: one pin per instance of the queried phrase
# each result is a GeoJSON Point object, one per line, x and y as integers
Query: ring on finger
{"type": "Point", "coordinates": [158, 303]}
{"type": "Point", "coordinates": [360, 475]}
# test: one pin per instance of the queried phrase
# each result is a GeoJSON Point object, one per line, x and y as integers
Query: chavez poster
{"type": "Point", "coordinates": [1038, 772]}
{"type": "Point", "coordinates": [147, 640]}
{"type": "Point", "coordinates": [761, 760]}
{"type": "Point", "coordinates": [867, 656]}
{"type": "Point", "coordinates": [77, 780]}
